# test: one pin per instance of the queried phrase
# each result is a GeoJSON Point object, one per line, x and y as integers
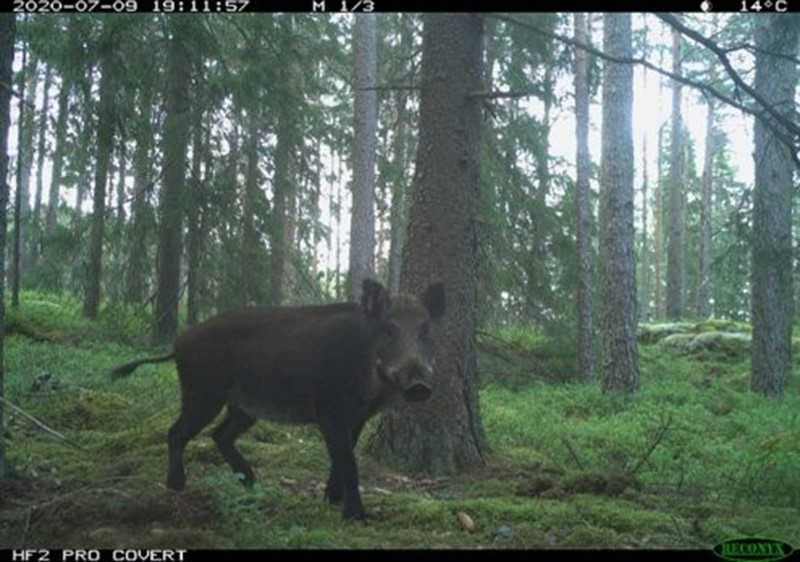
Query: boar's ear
{"type": "Point", "coordinates": [374, 299]}
{"type": "Point", "coordinates": [433, 299]}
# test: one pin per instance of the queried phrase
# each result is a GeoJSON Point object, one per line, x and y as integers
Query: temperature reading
{"type": "Point", "coordinates": [762, 5]}
{"type": "Point", "coordinates": [358, 6]}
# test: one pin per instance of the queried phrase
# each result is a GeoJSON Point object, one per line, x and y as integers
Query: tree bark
{"type": "Point", "coordinates": [251, 273]}
{"type": "Point", "coordinates": [365, 140]}
{"type": "Point", "coordinates": [675, 249]}
{"type": "Point", "coordinates": [445, 434]}
{"type": "Point", "coordinates": [620, 368]}
{"type": "Point", "coordinates": [704, 309]}
{"type": "Point", "coordinates": [29, 85]}
{"type": "Point", "coordinates": [7, 28]}
{"type": "Point", "coordinates": [53, 194]}
{"type": "Point", "coordinates": [196, 213]}
{"type": "Point", "coordinates": [585, 303]}
{"type": "Point", "coordinates": [105, 145]}
{"type": "Point", "coordinates": [398, 212]}
{"type": "Point", "coordinates": [176, 138]}
{"type": "Point", "coordinates": [36, 226]}
{"type": "Point", "coordinates": [776, 40]}
{"type": "Point", "coordinates": [141, 211]}
{"type": "Point", "coordinates": [284, 208]}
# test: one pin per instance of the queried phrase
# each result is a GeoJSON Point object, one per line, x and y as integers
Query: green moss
{"type": "Point", "coordinates": [692, 459]}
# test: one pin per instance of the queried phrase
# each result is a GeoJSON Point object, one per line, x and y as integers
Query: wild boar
{"type": "Point", "coordinates": [332, 365]}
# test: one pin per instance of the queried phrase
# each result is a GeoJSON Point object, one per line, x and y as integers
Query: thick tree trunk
{"type": "Point", "coordinates": [776, 39]}
{"type": "Point", "coordinates": [675, 249]}
{"type": "Point", "coordinates": [176, 139]}
{"type": "Point", "coordinates": [585, 303]}
{"type": "Point", "coordinates": [7, 25]}
{"type": "Point", "coordinates": [620, 367]}
{"type": "Point", "coordinates": [445, 434]}
{"type": "Point", "coordinates": [365, 140]}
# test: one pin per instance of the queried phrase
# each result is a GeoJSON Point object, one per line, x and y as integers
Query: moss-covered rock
{"type": "Point", "coordinates": [716, 335]}
{"type": "Point", "coordinates": [733, 344]}
{"type": "Point", "coordinates": [654, 333]}
{"type": "Point", "coordinates": [677, 342]}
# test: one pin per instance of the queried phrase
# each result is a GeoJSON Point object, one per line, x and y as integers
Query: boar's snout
{"type": "Point", "coordinates": [418, 387]}
{"type": "Point", "coordinates": [417, 392]}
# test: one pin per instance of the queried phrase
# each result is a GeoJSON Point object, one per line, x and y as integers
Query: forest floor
{"type": "Point", "coordinates": [692, 460]}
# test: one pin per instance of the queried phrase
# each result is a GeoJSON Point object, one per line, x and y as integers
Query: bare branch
{"type": "Point", "coordinates": [40, 424]}
{"type": "Point", "coordinates": [790, 126]}
{"type": "Point", "coordinates": [785, 130]}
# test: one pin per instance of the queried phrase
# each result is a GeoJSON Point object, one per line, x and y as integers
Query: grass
{"type": "Point", "coordinates": [693, 459]}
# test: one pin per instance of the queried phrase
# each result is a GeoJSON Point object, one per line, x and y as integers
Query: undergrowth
{"type": "Point", "coordinates": [693, 459]}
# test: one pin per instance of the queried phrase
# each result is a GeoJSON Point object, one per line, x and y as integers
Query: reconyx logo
{"type": "Point", "coordinates": [753, 548]}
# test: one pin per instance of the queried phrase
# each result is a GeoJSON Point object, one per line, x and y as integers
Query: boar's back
{"type": "Point", "coordinates": [283, 364]}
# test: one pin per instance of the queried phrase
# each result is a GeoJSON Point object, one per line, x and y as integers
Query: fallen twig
{"type": "Point", "coordinates": [40, 424]}
{"type": "Point", "coordinates": [572, 452]}
{"type": "Point", "coordinates": [660, 433]}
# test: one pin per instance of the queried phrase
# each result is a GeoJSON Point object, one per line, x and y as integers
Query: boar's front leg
{"type": "Point", "coordinates": [333, 490]}
{"type": "Point", "coordinates": [339, 442]}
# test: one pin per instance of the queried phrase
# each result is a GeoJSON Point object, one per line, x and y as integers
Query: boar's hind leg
{"type": "Point", "coordinates": [196, 413]}
{"type": "Point", "coordinates": [333, 491]}
{"type": "Point", "coordinates": [235, 423]}
{"type": "Point", "coordinates": [338, 440]}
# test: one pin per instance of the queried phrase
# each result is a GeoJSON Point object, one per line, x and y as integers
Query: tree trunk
{"type": "Point", "coordinates": [176, 138]}
{"type": "Point", "coordinates": [776, 39]}
{"type": "Point", "coordinates": [398, 212]}
{"type": "Point", "coordinates": [287, 171]}
{"type": "Point", "coordinates": [704, 287]}
{"type": "Point", "coordinates": [194, 219]}
{"type": "Point", "coordinates": [28, 80]}
{"type": "Point", "coordinates": [105, 145]}
{"type": "Point", "coordinates": [60, 142]}
{"type": "Point", "coordinates": [141, 213]}
{"type": "Point", "coordinates": [36, 226]}
{"type": "Point", "coordinates": [658, 228]}
{"type": "Point", "coordinates": [7, 25]}
{"type": "Point", "coordinates": [444, 434]}
{"type": "Point", "coordinates": [251, 274]}
{"type": "Point", "coordinates": [675, 250]}
{"type": "Point", "coordinates": [85, 143]}
{"type": "Point", "coordinates": [620, 368]}
{"type": "Point", "coordinates": [365, 140]}
{"type": "Point", "coordinates": [644, 253]}
{"type": "Point", "coordinates": [585, 303]}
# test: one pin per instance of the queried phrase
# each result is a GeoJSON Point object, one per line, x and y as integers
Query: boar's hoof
{"type": "Point", "coordinates": [417, 392]}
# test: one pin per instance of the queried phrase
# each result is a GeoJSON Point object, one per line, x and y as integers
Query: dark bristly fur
{"type": "Point", "coordinates": [331, 365]}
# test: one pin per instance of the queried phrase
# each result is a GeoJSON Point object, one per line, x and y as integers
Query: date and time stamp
{"type": "Point", "coordinates": [318, 6]}
{"type": "Point", "coordinates": [180, 6]}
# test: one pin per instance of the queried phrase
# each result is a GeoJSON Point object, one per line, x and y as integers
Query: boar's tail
{"type": "Point", "coordinates": [128, 368]}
